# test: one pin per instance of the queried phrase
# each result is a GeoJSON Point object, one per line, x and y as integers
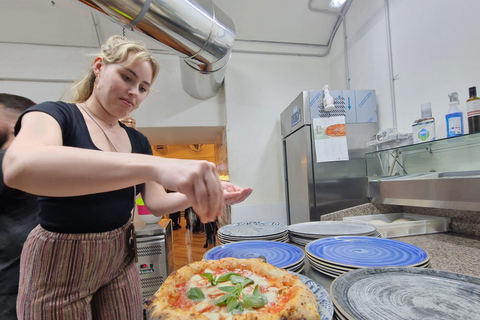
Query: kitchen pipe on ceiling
{"type": "Point", "coordinates": [199, 32]}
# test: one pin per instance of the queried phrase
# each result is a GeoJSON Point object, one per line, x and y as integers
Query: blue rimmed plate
{"type": "Point", "coordinates": [325, 304]}
{"type": "Point", "coordinates": [358, 252]}
{"type": "Point", "coordinates": [278, 254]}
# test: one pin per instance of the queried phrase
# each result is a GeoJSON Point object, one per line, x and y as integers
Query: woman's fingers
{"type": "Point", "coordinates": [203, 188]}
{"type": "Point", "coordinates": [200, 182]}
{"type": "Point", "coordinates": [232, 197]}
{"type": "Point", "coordinates": [215, 195]}
{"type": "Point", "coordinates": [244, 194]}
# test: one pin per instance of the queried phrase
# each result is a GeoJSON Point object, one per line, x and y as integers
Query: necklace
{"type": "Point", "coordinates": [110, 125]}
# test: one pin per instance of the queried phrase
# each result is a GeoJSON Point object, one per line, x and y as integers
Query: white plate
{"type": "Point", "coordinates": [315, 229]}
{"type": "Point", "coordinates": [253, 229]}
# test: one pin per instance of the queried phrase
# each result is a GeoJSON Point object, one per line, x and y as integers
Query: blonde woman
{"type": "Point", "coordinates": [87, 168]}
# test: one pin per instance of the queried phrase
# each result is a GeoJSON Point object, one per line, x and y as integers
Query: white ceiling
{"type": "Point", "coordinates": [284, 26]}
{"type": "Point", "coordinates": [70, 23]}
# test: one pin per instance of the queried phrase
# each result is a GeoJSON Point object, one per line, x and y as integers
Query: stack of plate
{"type": "Point", "coordinates": [303, 233]}
{"type": "Point", "coordinates": [253, 230]}
{"type": "Point", "coordinates": [405, 293]}
{"type": "Point", "coordinates": [278, 254]}
{"type": "Point", "coordinates": [338, 255]}
{"type": "Point", "coordinates": [325, 305]}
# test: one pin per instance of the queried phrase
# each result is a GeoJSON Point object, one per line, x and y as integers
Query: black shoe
{"type": "Point", "coordinates": [205, 246]}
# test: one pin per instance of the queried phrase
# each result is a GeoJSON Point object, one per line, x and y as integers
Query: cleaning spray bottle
{"type": "Point", "coordinates": [454, 117]}
{"type": "Point", "coordinates": [327, 99]}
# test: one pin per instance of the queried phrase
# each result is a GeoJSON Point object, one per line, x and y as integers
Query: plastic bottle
{"type": "Point", "coordinates": [473, 111]}
{"type": "Point", "coordinates": [423, 129]}
{"type": "Point", "coordinates": [327, 99]}
{"type": "Point", "coordinates": [454, 117]}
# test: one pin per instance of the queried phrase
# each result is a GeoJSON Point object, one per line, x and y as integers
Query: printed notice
{"type": "Point", "coordinates": [330, 139]}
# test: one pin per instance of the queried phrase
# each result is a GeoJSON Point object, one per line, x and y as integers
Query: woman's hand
{"type": "Point", "coordinates": [198, 181]}
{"type": "Point", "coordinates": [233, 194]}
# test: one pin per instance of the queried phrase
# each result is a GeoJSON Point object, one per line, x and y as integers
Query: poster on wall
{"type": "Point", "coordinates": [330, 136]}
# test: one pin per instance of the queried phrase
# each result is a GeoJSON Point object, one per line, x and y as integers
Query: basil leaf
{"type": "Point", "coordinates": [256, 291]}
{"type": "Point", "coordinates": [255, 300]}
{"type": "Point", "coordinates": [223, 299]}
{"type": "Point", "coordinates": [238, 309]}
{"type": "Point", "coordinates": [246, 282]}
{"type": "Point", "coordinates": [210, 278]}
{"type": "Point", "coordinates": [228, 288]}
{"type": "Point", "coordinates": [226, 276]}
{"type": "Point", "coordinates": [251, 301]}
{"type": "Point", "coordinates": [232, 303]}
{"type": "Point", "coordinates": [236, 279]}
{"type": "Point", "coordinates": [195, 294]}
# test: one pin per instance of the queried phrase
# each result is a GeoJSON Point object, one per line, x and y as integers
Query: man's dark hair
{"type": "Point", "coordinates": [14, 102]}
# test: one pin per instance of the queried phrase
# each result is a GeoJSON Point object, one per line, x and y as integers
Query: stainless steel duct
{"type": "Point", "coordinates": [199, 32]}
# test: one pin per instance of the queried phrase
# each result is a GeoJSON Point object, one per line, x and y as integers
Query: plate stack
{"type": "Point", "coordinates": [325, 305]}
{"type": "Point", "coordinates": [303, 233]}
{"type": "Point", "coordinates": [278, 254]}
{"type": "Point", "coordinates": [338, 255]}
{"type": "Point", "coordinates": [405, 293]}
{"type": "Point", "coordinates": [253, 230]}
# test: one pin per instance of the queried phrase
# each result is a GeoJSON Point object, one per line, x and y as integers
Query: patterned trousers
{"type": "Point", "coordinates": [79, 276]}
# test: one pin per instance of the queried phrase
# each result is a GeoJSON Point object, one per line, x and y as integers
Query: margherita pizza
{"type": "Point", "coordinates": [336, 130]}
{"type": "Point", "coordinates": [232, 289]}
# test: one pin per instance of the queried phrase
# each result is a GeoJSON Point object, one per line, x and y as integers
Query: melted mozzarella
{"type": "Point", "coordinates": [213, 292]}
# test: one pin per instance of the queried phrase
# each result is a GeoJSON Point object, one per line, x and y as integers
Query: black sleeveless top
{"type": "Point", "coordinates": [98, 212]}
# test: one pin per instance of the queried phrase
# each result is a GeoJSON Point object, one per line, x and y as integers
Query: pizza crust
{"type": "Point", "coordinates": [303, 305]}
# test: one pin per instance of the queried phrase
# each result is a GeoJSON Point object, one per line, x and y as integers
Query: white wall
{"type": "Point", "coordinates": [434, 51]}
{"type": "Point", "coordinates": [258, 88]}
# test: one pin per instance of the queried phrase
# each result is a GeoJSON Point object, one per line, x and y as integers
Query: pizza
{"type": "Point", "coordinates": [232, 289]}
{"type": "Point", "coordinates": [336, 130]}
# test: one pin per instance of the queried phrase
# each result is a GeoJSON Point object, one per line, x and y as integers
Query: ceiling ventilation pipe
{"type": "Point", "coordinates": [199, 32]}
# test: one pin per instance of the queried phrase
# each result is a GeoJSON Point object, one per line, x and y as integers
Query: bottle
{"type": "Point", "coordinates": [327, 99]}
{"type": "Point", "coordinates": [423, 129]}
{"type": "Point", "coordinates": [473, 111]}
{"type": "Point", "coordinates": [454, 117]}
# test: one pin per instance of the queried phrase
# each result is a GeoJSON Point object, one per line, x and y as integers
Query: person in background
{"type": "Point", "coordinates": [211, 229]}
{"type": "Point", "coordinates": [175, 220]}
{"type": "Point", "coordinates": [193, 222]}
{"type": "Point", "coordinates": [18, 211]}
{"type": "Point", "coordinates": [87, 168]}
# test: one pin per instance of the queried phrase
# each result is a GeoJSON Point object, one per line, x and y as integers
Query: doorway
{"type": "Point", "coordinates": [190, 244]}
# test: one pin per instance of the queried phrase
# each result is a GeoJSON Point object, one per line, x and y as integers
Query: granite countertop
{"type": "Point", "coordinates": [448, 251]}
{"type": "Point", "coordinates": [457, 251]}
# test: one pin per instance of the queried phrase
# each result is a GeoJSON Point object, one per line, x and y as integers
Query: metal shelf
{"type": "Point", "coordinates": [442, 174]}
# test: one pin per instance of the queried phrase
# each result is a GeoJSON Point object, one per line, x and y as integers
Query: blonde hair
{"type": "Point", "coordinates": [115, 50]}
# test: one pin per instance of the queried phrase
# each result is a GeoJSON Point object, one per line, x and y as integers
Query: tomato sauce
{"type": "Point", "coordinates": [285, 297]}
{"type": "Point", "coordinates": [182, 301]}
